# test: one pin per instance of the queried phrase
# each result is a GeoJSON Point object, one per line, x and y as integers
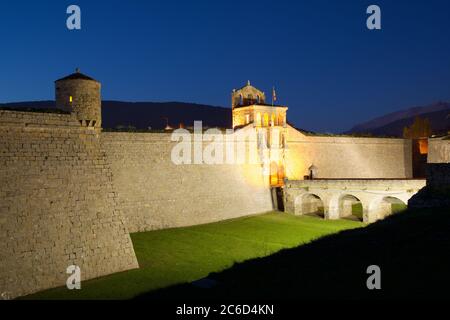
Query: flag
{"type": "Point", "coordinates": [274, 95]}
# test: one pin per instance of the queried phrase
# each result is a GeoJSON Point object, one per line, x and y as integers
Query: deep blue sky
{"type": "Point", "coordinates": [326, 66]}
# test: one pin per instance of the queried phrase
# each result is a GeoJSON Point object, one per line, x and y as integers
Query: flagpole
{"type": "Point", "coordinates": [273, 90]}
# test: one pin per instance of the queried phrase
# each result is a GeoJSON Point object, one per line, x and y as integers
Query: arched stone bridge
{"type": "Point", "coordinates": [337, 198]}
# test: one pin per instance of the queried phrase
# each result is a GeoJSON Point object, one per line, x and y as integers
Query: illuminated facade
{"type": "Point", "coordinates": [249, 108]}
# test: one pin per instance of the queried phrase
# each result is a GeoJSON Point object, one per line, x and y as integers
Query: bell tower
{"type": "Point", "coordinates": [249, 108]}
{"type": "Point", "coordinates": [247, 95]}
{"type": "Point", "coordinates": [249, 105]}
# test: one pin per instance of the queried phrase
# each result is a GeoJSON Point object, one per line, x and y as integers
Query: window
{"type": "Point", "coordinates": [70, 99]}
{"type": "Point", "coordinates": [247, 119]}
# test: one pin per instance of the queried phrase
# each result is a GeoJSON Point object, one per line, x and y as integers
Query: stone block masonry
{"type": "Point", "coordinates": [154, 193]}
{"type": "Point", "coordinates": [438, 168]}
{"type": "Point", "coordinates": [57, 204]}
{"type": "Point", "coordinates": [70, 194]}
{"type": "Point", "coordinates": [439, 150]}
{"type": "Point", "coordinates": [437, 192]}
{"type": "Point", "coordinates": [347, 157]}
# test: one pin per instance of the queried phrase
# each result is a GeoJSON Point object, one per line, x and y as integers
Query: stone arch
{"type": "Point", "coordinates": [385, 206]}
{"type": "Point", "coordinates": [309, 204]}
{"type": "Point", "coordinates": [350, 207]}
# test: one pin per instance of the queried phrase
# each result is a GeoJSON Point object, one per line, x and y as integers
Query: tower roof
{"type": "Point", "coordinates": [248, 85]}
{"type": "Point", "coordinates": [77, 76]}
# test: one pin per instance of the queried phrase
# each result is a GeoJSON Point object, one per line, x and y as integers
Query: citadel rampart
{"type": "Point", "coordinates": [437, 191]}
{"type": "Point", "coordinates": [438, 170]}
{"type": "Point", "coordinates": [57, 204]}
{"type": "Point", "coordinates": [154, 193]}
{"type": "Point", "coordinates": [347, 157]}
{"type": "Point", "coordinates": [70, 194]}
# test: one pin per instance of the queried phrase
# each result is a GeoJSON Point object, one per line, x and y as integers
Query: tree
{"type": "Point", "coordinates": [419, 129]}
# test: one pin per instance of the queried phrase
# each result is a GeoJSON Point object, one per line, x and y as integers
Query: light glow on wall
{"type": "Point", "coordinates": [258, 119]}
{"type": "Point", "coordinates": [423, 146]}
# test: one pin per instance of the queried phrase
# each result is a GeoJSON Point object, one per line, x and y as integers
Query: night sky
{"type": "Point", "coordinates": [327, 67]}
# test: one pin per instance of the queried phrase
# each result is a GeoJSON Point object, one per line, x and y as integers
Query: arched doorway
{"type": "Point", "coordinates": [350, 207]}
{"type": "Point", "coordinates": [309, 204]}
{"type": "Point", "coordinates": [276, 174]}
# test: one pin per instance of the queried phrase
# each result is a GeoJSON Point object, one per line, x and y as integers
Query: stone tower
{"type": "Point", "coordinates": [247, 95]}
{"type": "Point", "coordinates": [249, 106]}
{"type": "Point", "coordinates": [80, 94]}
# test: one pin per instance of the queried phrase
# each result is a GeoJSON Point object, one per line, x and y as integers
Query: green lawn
{"type": "Point", "coordinates": [168, 257]}
{"type": "Point", "coordinates": [410, 248]}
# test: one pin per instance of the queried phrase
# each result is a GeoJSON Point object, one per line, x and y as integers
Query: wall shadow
{"type": "Point", "coordinates": [411, 248]}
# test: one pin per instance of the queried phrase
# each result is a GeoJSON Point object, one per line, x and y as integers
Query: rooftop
{"type": "Point", "coordinates": [259, 104]}
{"type": "Point", "coordinates": [77, 76]}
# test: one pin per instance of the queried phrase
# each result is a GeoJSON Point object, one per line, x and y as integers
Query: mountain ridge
{"type": "Point", "coordinates": [392, 124]}
{"type": "Point", "coordinates": [141, 115]}
{"type": "Point", "coordinates": [145, 115]}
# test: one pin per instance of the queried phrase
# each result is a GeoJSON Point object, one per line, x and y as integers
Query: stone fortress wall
{"type": "Point", "coordinates": [437, 191]}
{"type": "Point", "coordinates": [155, 193]}
{"type": "Point", "coordinates": [70, 194]}
{"type": "Point", "coordinates": [57, 204]}
{"type": "Point", "coordinates": [347, 157]}
{"type": "Point", "coordinates": [438, 170]}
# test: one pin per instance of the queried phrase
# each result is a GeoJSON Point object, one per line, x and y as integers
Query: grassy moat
{"type": "Point", "coordinates": [411, 248]}
{"type": "Point", "coordinates": [281, 256]}
{"type": "Point", "coordinates": [174, 256]}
